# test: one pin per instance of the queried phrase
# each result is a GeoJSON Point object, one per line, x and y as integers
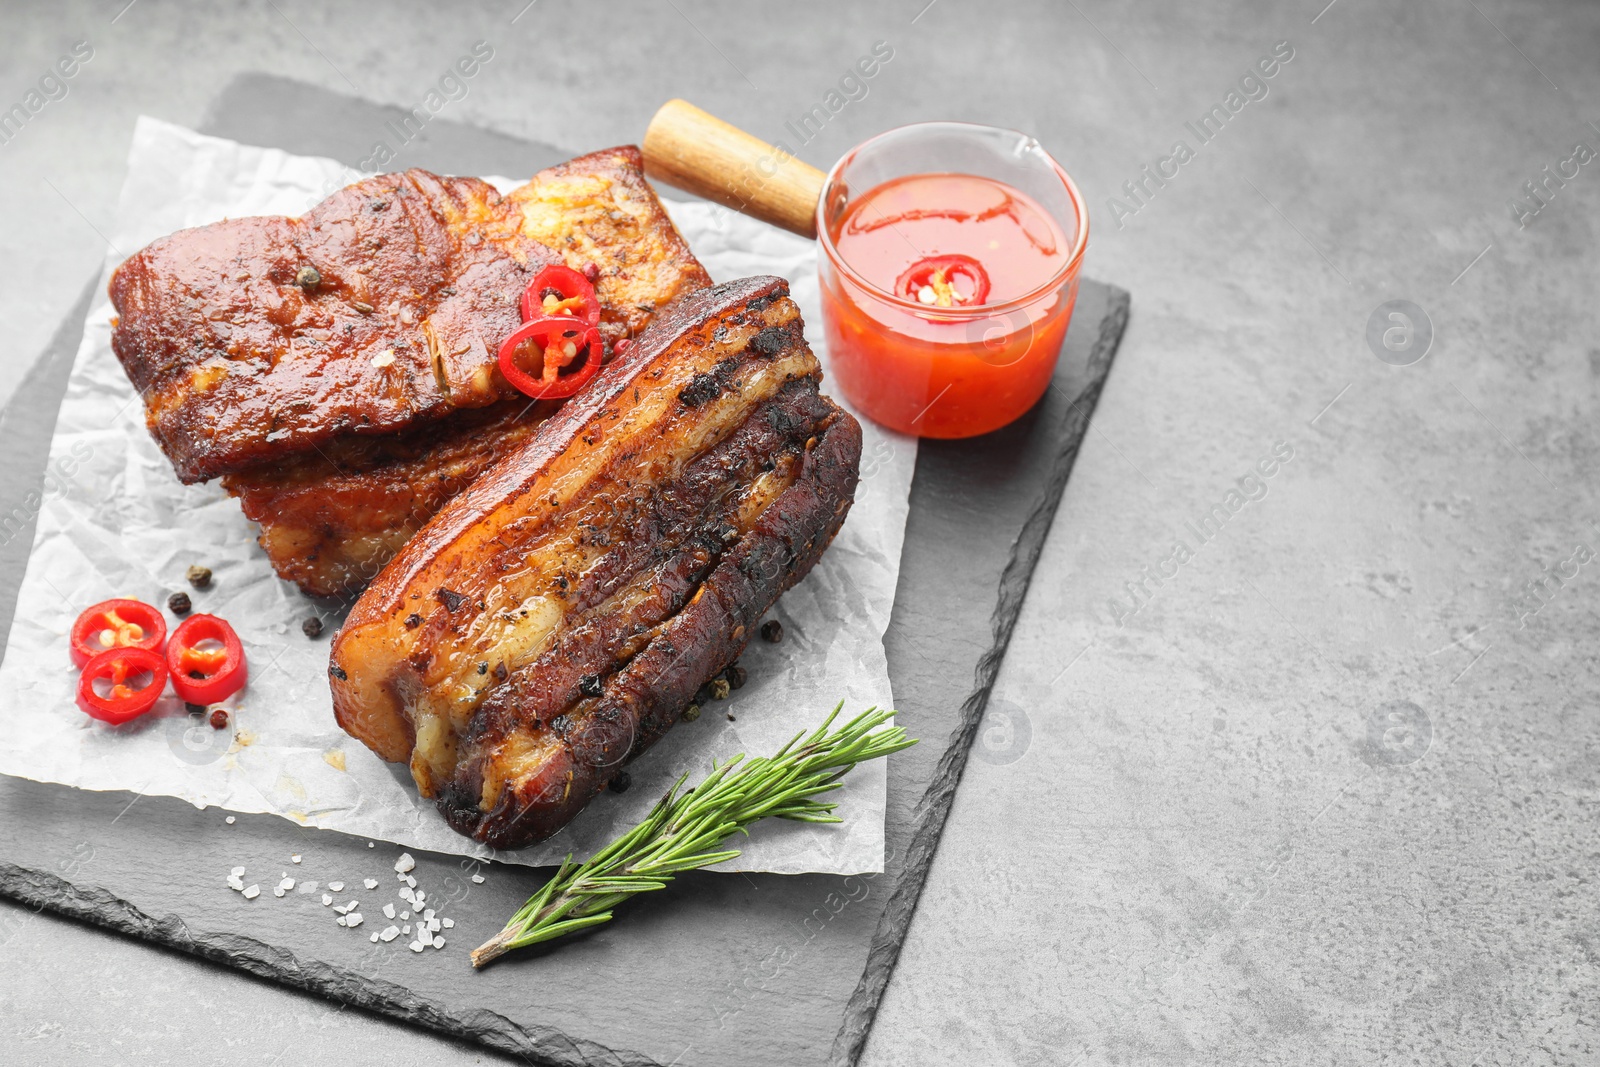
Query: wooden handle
{"type": "Point", "coordinates": [692, 150]}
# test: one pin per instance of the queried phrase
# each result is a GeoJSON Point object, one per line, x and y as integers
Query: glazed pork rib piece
{"type": "Point", "coordinates": [554, 619]}
{"type": "Point", "coordinates": [343, 412]}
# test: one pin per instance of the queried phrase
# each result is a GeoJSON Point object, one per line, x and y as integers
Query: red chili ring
{"type": "Point", "coordinates": [117, 665]}
{"type": "Point", "coordinates": [921, 272]}
{"type": "Point", "coordinates": [116, 616]}
{"type": "Point", "coordinates": [546, 385]}
{"type": "Point", "coordinates": [569, 284]}
{"type": "Point", "coordinates": [219, 678]}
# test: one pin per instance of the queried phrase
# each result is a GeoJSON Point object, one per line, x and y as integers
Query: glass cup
{"type": "Point", "coordinates": [946, 371]}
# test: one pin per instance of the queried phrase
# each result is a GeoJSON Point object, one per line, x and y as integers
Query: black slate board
{"type": "Point", "coordinates": [718, 969]}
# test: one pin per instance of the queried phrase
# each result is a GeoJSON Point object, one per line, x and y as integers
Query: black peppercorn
{"type": "Point", "coordinates": [413, 621]}
{"type": "Point", "coordinates": [589, 685]}
{"type": "Point", "coordinates": [772, 630]}
{"type": "Point", "coordinates": [620, 783]}
{"type": "Point", "coordinates": [736, 676]}
{"type": "Point", "coordinates": [311, 627]}
{"type": "Point", "coordinates": [178, 603]}
{"type": "Point", "coordinates": [307, 277]}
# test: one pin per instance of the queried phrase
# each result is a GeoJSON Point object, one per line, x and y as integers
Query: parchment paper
{"type": "Point", "coordinates": [113, 520]}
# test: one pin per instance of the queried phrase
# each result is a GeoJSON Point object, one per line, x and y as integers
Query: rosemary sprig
{"type": "Point", "coordinates": [683, 830]}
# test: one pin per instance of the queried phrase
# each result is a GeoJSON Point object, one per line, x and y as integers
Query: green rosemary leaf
{"type": "Point", "coordinates": [684, 828]}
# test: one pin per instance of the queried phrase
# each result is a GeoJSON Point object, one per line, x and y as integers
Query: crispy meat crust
{"type": "Point", "coordinates": [420, 278]}
{"type": "Point", "coordinates": [554, 619]}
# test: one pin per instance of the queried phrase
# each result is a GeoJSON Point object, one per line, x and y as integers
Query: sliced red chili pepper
{"type": "Point", "coordinates": [937, 274]}
{"type": "Point", "coordinates": [116, 624]}
{"type": "Point", "coordinates": [206, 675]}
{"type": "Point", "coordinates": [118, 666]}
{"type": "Point", "coordinates": [569, 354]}
{"type": "Point", "coordinates": [570, 295]}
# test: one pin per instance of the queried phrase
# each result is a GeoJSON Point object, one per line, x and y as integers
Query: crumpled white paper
{"type": "Point", "coordinates": [115, 521]}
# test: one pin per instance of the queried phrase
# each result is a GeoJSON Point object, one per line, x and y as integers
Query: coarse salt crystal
{"type": "Point", "coordinates": [326, 900]}
{"type": "Point", "coordinates": [411, 881]}
{"type": "Point", "coordinates": [371, 845]}
{"type": "Point", "coordinates": [405, 915]}
{"type": "Point", "coordinates": [433, 924]}
{"type": "Point", "coordinates": [277, 890]}
{"type": "Point", "coordinates": [236, 883]}
{"type": "Point", "coordinates": [294, 859]}
{"type": "Point", "coordinates": [405, 863]}
{"type": "Point", "coordinates": [340, 920]}
{"type": "Point", "coordinates": [237, 872]}
{"type": "Point", "coordinates": [229, 820]}
{"type": "Point", "coordinates": [287, 883]}
{"type": "Point", "coordinates": [438, 943]}
{"type": "Point", "coordinates": [416, 946]}
{"type": "Point", "coordinates": [428, 914]}
{"type": "Point", "coordinates": [373, 939]}
{"type": "Point", "coordinates": [389, 933]}
{"type": "Point", "coordinates": [336, 886]}
{"type": "Point", "coordinates": [353, 919]}
{"type": "Point", "coordinates": [370, 883]}
{"type": "Point", "coordinates": [478, 878]}
{"type": "Point", "coordinates": [253, 892]}
{"type": "Point", "coordinates": [388, 911]}
{"type": "Point", "coordinates": [449, 923]}
{"type": "Point", "coordinates": [406, 929]}
{"type": "Point", "coordinates": [424, 935]}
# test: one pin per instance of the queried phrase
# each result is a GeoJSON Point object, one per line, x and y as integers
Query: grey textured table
{"type": "Point", "coordinates": [1319, 789]}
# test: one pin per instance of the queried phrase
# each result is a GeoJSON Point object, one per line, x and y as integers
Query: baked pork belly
{"type": "Point", "coordinates": [344, 404]}
{"type": "Point", "coordinates": [555, 618]}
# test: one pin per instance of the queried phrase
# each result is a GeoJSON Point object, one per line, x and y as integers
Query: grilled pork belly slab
{"type": "Point", "coordinates": [555, 618]}
{"type": "Point", "coordinates": [418, 279]}
{"type": "Point", "coordinates": [244, 358]}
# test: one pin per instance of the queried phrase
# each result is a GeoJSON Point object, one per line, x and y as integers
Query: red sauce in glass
{"type": "Point", "coordinates": [919, 367]}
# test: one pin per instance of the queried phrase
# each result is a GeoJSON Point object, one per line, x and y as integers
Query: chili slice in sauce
{"type": "Point", "coordinates": [560, 291]}
{"type": "Point", "coordinates": [113, 624]}
{"type": "Point", "coordinates": [569, 354]}
{"type": "Point", "coordinates": [931, 281]}
{"type": "Point", "coordinates": [206, 675]}
{"type": "Point", "coordinates": [118, 666]}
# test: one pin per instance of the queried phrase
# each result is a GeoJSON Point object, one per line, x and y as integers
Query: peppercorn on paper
{"type": "Point", "coordinates": [113, 521]}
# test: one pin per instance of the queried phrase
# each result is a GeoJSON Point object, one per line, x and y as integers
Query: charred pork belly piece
{"type": "Point", "coordinates": [556, 617]}
{"type": "Point", "coordinates": [385, 304]}
{"type": "Point", "coordinates": [338, 369]}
